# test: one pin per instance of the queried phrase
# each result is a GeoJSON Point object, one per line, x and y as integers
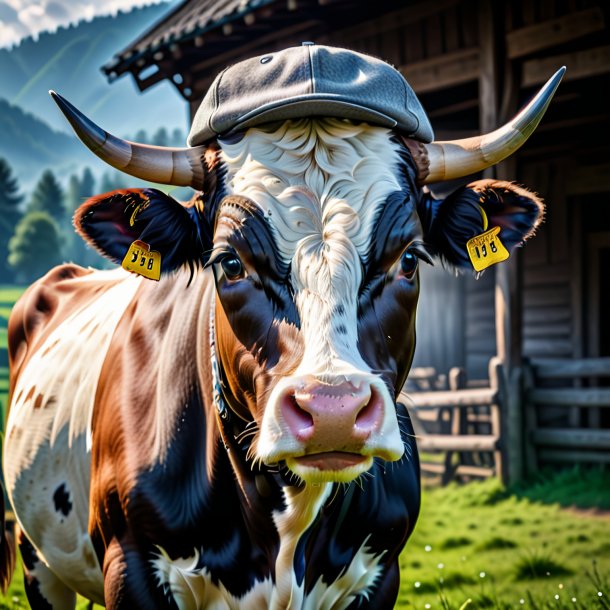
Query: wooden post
{"type": "Point", "coordinates": [499, 417]}
{"type": "Point", "coordinates": [508, 278]}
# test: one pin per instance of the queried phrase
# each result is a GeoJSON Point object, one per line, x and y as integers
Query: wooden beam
{"type": "Point", "coordinates": [458, 398]}
{"type": "Point", "coordinates": [448, 442]}
{"type": "Point", "coordinates": [567, 397]}
{"type": "Point", "coordinates": [588, 179]}
{"type": "Point", "coordinates": [560, 455]}
{"type": "Point", "coordinates": [395, 20]}
{"type": "Point", "coordinates": [444, 71]}
{"type": "Point", "coordinates": [564, 368]}
{"type": "Point", "coordinates": [580, 64]}
{"type": "Point", "coordinates": [533, 38]}
{"type": "Point", "coordinates": [573, 437]}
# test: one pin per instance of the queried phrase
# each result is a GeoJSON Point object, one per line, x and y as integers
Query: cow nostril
{"type": "Point", "coordinates": [368, 417]}
{"type": "Point", "coordinates": [297, 418]}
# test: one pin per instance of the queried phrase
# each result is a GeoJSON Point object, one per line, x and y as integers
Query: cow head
{"type": "Point", "coordinates": [314, 228]}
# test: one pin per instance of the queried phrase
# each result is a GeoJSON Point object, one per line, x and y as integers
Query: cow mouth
{"type": "Point", "coordinates": [329, 466]}
{"type": "Point", "coordinates": [331, 460]}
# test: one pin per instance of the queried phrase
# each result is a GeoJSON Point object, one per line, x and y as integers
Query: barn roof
{"type": "Point", "coordinates": [199, 37]}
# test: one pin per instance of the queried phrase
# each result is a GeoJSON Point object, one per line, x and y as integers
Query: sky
{"type": "Point", "coordinates": [22, 18]}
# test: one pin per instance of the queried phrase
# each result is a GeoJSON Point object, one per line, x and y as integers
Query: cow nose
{"type": "Point", "coordinates": [332, 417]}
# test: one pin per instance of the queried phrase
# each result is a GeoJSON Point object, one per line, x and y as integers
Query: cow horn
{"type": "Point", "coordinates": [440, 161]}
{"type": "Point", "coordinates": [163, 165]}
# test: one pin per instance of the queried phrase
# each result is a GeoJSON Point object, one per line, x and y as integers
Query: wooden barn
{"type": "Point", "coordinates": [543, 316]}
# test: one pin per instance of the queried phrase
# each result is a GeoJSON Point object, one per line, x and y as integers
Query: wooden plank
{"type": "Point", "coordinates": [572, 437]}
{"type": "Point", "coordinates": [562, 368]}
{"type": "Point", "coordinates": [397, 19]}
{"type": "Point", "coordinates": [588, 179]}
{"type": "Point", "coordinates": [547, 296]}
{"type": "Point", "coordinates": [443, 71]}
{"type": "Point", "coordinates": [584, 397]}
{"type": "Point", "coordinates": [448, 442]}
{"type": "Point", "coordinates": [459, 398]}
{"type": "Point", "coordinates": [533, 38]}
{"type": "Point", "coordinates": [560, 455]}
{"type": "Point", "coordinates": [547, 315]}
{"type": "Point", "coordinates": [538, 331]}
{"type": "Point", "coordinates": [546, 274]}
{"type": "Point", "coordinates": [469, 470]}
{"type": "Point", "coordinates": [580, 64]}
{"type": "Point", "coordinates": [548, 346]}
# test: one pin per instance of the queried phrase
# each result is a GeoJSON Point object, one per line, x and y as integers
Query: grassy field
{"type": "Point", "coordinates": [542, 545]}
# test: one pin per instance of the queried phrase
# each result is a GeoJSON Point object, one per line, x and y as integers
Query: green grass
{"type": "Point", "coordinates": [497, 546]}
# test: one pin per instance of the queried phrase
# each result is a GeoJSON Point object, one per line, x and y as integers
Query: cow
{"type": "Point", "coordinates": [214, 423]}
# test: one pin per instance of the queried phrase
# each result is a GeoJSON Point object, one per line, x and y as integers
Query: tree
{"type": "Point", "coordinates": [35, 247]}
{"type": "Point", "coordinates": [9, 215]}
{"type": "Point", "coordinates": [178, 138]}
{"type": "Point", "coordinates": [48, 197]}
{"type": "Point", "coordinates": [79, 190]}
{"type": "Point", "coordinates": [161, 137]}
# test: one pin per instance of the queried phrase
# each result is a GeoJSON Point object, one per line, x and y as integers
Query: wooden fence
{"type": "Point", "coordinates": [464, 424]}
{"type": "Point", "coordinates": [566, 423]}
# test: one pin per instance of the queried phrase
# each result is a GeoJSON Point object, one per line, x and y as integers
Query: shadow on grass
{"type": "Point", "coordinates": [586, 488]}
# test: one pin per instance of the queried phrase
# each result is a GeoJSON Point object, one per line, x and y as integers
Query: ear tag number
{"type": "Point", "coordinates": [142, 260]}
{"type": "Point", "coordinates": [486, 249]}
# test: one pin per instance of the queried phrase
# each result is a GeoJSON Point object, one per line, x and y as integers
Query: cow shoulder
{"type": "Point", "coordinates": [39, 309]}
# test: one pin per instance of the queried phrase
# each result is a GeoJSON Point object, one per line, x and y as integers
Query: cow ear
{"type": "Point", "coordinates": [478, 208]}
{"type": "Point", "coordinates": [112, 222]}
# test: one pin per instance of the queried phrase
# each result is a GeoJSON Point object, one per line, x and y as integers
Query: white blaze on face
{"type": "Point", "coordinates": [322, 183]}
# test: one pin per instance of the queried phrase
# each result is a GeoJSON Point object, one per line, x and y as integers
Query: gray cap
{"type": "Point", "coordinates": [310, 80]}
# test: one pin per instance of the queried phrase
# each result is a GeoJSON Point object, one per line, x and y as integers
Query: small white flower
{"type": "Point", "coordinates": [556, 596]}
{"type": "Point", "coordinates": [427, 606]}
{"type": "Point", "coordinates": [522, 601]}
{"type": "Point", "coordinates": [600, 594]}
{"type": "Point", "coordinates": [417, 584]}
{"type": "Point", "coordinates": [427, 548]}
{"type": "Point", "coordinates": [574, 600]}
{"type": "Point", "coordinates": [440, 566]}
{"type": "Point", "coordinates": [481, 574]}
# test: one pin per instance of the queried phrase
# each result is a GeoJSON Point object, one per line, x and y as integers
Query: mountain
{"type": "Point", "coordinates": [30, 145]}
{"type": "Point", "coordinates": [33, 133]}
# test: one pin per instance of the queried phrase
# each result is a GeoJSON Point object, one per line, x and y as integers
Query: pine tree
{"type": "Point", "coordinates": [35, 247]}
{"type": "Point", "coordinates": [48, 197]}
{"type": "Point", "coordinates": [161, 137]}
{"type": "Point", "coordinates": [9, 216]}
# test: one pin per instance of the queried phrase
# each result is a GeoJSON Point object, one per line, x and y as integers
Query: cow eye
{"type": "Point", "coordinates": [232, 267]}
{"type": "Point", "coordinates": [408, 264]}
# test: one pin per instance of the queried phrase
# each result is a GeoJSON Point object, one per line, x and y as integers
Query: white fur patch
{"type": "Point", "coordinates": [322, 183]}
{"type": "Point", "coordinates": [193, 588]}
{"type": "Point", "coordinates": [48, 434]}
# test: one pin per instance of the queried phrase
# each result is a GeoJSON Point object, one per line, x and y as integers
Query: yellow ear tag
{"type": "Point", "coordinates": [142, 260]}
{"type": "Point", "coordinates": [486, 249]}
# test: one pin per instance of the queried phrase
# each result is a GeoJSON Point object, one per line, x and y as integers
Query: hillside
{"type": "Point", "coordinates": [33, 133]}
{"type": "Point", "coordinates": [30, 145]}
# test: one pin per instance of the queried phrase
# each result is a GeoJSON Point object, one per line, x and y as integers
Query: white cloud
{"type": "Point", "coordinates": [22, 18]}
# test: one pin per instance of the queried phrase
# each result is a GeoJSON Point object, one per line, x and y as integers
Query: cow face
{"type": "Point", "coordinates": [313, 229]}
{"type": "Point", "coordinates": [315, 256]}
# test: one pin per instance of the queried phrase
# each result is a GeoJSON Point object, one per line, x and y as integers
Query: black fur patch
{"type": "Point", "coordinates": [61, 498]}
